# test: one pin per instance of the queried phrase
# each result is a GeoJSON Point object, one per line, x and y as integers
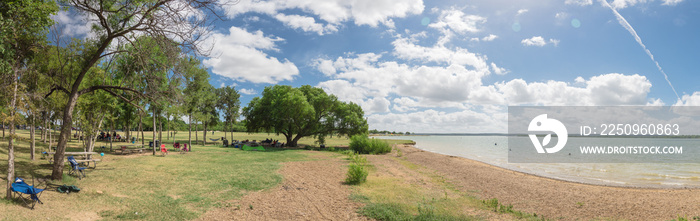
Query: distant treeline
{"type": "Point", "coordinates": [375, 131]}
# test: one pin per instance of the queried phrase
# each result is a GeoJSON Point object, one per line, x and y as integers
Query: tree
{"type": "Point", "coordinates": [196, 81]}
{"type": "Point", "coordinates": [121, 22]}
{"type": "Point", "coordinates": [207, 110]}
{"type": "Point", "coordinates": [22, 32]}
{"type": "Point", "coordinates": [229, 104]}
{"type": "Point", "coordinates": [302, 112]}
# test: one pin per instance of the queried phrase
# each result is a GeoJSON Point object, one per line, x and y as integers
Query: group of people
{"type": "Point", "coordinates": [108, 137]}
{"type": "Point", "coordinates": [274, 143]}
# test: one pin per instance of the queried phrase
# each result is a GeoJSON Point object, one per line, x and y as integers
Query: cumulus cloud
{"type": "Point", "coordinates": [405, 49]}
{"type": "Point", "coordinates": [305, 23]}
{"type": "Point", "coordinates": [240, 55]}
{"type": "Point", "coordinates": [457, 21]}
{"type": "Point", "coordinates": [539, 41]}
{"type": "Point", "coordinates": [334, 12]}
{"type": "Point", "coordinates": [498, 70]}
{"type": "Point", "coordinates": [689, 100]}
{"type": "Point", "coordinates": [607, 89]}
{"type": "Point", "coordinates": [433, 121]}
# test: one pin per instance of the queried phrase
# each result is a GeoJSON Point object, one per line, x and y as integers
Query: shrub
{"type": "Point", "coordinates": [362, 144]}
{"type": "Point", "coordinates": [357, 174]}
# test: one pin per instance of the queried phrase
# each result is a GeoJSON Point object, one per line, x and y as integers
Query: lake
{"type": "Point", "coordinates": [494, 150]}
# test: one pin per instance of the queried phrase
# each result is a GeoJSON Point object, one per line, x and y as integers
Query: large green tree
{"type": "Point", "coordinates": [23, 29]}
{"type": "Point", "coordinates": [302, 112]}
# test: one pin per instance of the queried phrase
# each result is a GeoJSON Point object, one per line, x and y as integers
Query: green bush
{"type": "Point", "coordinates": [362, 144]}
{"type": "Point", "coordinates": [357, 174]}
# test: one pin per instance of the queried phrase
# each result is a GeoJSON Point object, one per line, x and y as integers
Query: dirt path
{"type": "Point", "coordinates": [311, 190]}
{"type": "Point", "coordinates": [557, 199]}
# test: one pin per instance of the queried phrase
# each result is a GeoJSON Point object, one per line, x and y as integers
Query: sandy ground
{"type": "Point", "coordinates": [311, 190]}
{"type": "Point", "coordinates": [557, 199]}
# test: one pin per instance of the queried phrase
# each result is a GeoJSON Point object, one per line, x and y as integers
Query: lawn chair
{"type": "Point", "coordinates": [26, 192]}
{"type": "Point", "coordinates": [177, 146]}
{"type": "Point", "coordinates": [163, 150]}
{"type": "Point", "coordinates": [75, 168]}
{"type": "Point", "coordinates": [184, 149]}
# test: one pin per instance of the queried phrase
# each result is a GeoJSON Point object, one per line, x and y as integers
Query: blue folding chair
{"type": "Point", "coordinates": [26, 192]}
{"type": "Point", "coordinates": [75, 168]}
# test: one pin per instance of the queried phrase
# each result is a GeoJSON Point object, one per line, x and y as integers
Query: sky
{"type": "Point", "coordinates": [456, 66]}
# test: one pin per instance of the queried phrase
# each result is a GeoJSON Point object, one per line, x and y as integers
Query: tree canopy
{"type": "Point", "coordinates": [302, 112]}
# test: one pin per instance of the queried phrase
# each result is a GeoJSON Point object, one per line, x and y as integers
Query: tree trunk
{"type": "Point", "coordinates": [57, 173]}
{"type": "Point", "coordinates": [196, 132]}
{"type": "Point", "coordinates": [32, 146]}
{"type": "Point", "coordinates": [111, 138]}
{"type": "Point", "coordinates": [289, 140]}
{"type": "Point", "coordinates": [11, 146]}
{"type": "Point", "coordinates": [3, 130]}
{"type": "Point", "coordinates": [190, 123]}
{"type": "Point", "coordinates": [154, 131]}
{"type": "Point", "coordinates": [50, 137]}
{"type": "Point", "coordinates": [295, 140]}
{"type": "Point", "coordinates": [141, 128]}
{"type": "Point", "coordinates": [43, 128]}
{"type": "Point", "coordinates": [160, 132]}
{"type": "Point", "coordinates": [204, 135]}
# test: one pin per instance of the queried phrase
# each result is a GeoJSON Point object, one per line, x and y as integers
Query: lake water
{"type": "Point", "coordinates": [494, 150]}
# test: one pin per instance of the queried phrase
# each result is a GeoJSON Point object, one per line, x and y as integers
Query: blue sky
{"type": "Point", "coordinates": [455, 66]}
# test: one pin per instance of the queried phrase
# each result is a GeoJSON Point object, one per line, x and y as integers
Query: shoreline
{"type": "Point", "coordinates": [601, 184]}
{"type": "Point", "coordinates": [554, 197]}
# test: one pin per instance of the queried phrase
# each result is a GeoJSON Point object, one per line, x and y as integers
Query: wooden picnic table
{"type": "Point", "coordinates": [126, 150]}
{"type": "Point", "coordinates": [85, 157]}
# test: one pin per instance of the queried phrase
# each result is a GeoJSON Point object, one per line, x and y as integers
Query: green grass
{"type": "Point", "coordinates": [174, 187]}
{"type": "Point", "coordinates": [390, 198]}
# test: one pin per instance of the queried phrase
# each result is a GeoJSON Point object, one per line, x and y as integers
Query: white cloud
{"type": "Point", "coordinates": [579, 2]}
{"type": "Point", "coordinates": [433, 121]}
{"type": "Point", "coordinates": [534, 41]}
{"type": "Point", "coordinates": [607, 89]}
{"type": "Point", "coordinates": [620, 4]}
{"type": "Point", "coordinates": [498, 70]}
{"type": "Point", "coordinates": [247, 91]}
{"type": "Point", "coordinates": [457, 21]}
{"type": "Point", "coordinates": [239, 55]}
{"type": "Point", "coordinates": [73, 24]}
{"type": "Point", "coordinates": [305, 23]}
{"type": "Point", "coordinates": [491, 37]}
{"type": "Point", "coordinates": [671, 2]}
{"type": "Point", "coordinates": [521, 11]}
{"type": "Point", "coordinates": [362, 12]}
{"type": "Point", "coordinates": [689, 100]}
{"type": "Point", "coordinates": [405, 49]}
{"type": "Point", "coordinates": [539, 41]}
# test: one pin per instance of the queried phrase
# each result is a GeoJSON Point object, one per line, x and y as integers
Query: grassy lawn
{"type": "Point", "coordinates": [174, 187]}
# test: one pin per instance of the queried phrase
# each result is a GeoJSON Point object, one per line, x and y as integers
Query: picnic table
{"type": "Point", "coordinates": [82, 157]}
{"type": "Point", "coordinates": [126, 150]}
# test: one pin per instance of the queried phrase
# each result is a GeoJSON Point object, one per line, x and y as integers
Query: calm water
{"type": "Point", "coordinates": [494, 150]}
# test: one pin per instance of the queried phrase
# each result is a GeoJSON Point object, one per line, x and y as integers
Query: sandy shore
{"type": "Point", "coordinates": [556, 199]}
